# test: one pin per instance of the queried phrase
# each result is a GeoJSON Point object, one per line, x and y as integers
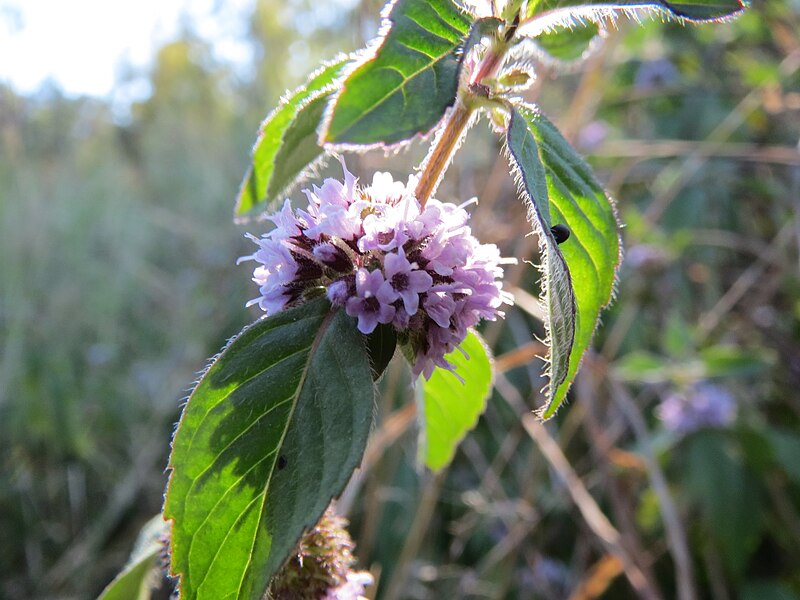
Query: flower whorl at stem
{"type": "Point", "coordinates": [321, 566]}
{"type": "Point", "coordinates": [375, 252]}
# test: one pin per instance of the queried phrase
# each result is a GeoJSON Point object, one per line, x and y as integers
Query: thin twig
{"type": "Point", "coordinates": [590, 511]}
{"type": "Point", "coordinates": [600, 577]}
{"type": "Point", "coordinates": [709, 321]}
{"type": "Point", "coordinates": [676, 535]}
{"type": "Point", "coordinates": [416, 535]}
{"type": "Point", "coordinates": [674, 177]}
{"type": "Point", "coordinates": [604, 444]}
{"type": "Point", "coordinates": [647, 150]}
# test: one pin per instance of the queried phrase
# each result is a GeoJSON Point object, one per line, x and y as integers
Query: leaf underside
{"type": "Point", "coordinates": [269, 436]}
{"type": "Point", "coordinates": [706, 10]}
{"type": "Point", "coordinates": [569, 45]}
{"type": "Point", "coordinates": [287, 144]}
{"type": "Point", "coordinates": [578, 275]}
{"type": "Point", "coordinates": [406, 87]}
{"type": "Point", "coordinates": [142, 572]}
{"type": "Point", "coordinates": [134, 582]}
{"type": "Point", "coordinates": [451, 408]}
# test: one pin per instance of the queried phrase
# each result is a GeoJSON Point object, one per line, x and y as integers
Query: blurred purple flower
{"type": "Point", "coordinates": [646, 257]}
{"type": "Point", "coordinates": [653, 74]}
{"type": "Point", "coordinates": [703, 405]}
{"type": "Point", "coordinates": [592, 135]}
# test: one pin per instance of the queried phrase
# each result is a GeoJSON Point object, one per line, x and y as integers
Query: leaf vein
{"type": "Point", "coordinates": [323, 329]}
{"type": "Point", "coordinates": [228, 394]}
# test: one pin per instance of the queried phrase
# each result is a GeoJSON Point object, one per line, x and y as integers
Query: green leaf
{"type": "Point", "coordinates": [726, 361]}
{"type": "Point", "coordinates": [570, 44]}
{"type": "Point", "coordinates": [767, 590]}
{"type": "Point", "coordinates": [139, 576]}
{"type": "Point", "coordinates": [577, 276]}
{"type": "Point", "coordinates": [568, 11]}
{"type": "Point", "coordinates": [643, 367]}
{"type": "Point", "coordinates": [727, 494]}
{"type": "Point", "coordinates": [405, 88]}
{"type": "Point", "coordinates": [381, 345]}
{"type": "Point", "coordinates": [451, 408]}
{"type": "Point", "coordinates": [287, 146]}
{"type": "Point", "coordinates": [786, 445]}
{"type": "Point", "coordinates": [270, 434]}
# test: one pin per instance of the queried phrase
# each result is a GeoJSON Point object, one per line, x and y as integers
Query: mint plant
{"type": "Point", "coordinates": [277, 424]}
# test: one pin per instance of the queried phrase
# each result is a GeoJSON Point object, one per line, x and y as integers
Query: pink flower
{"type": "Point", "coordinates": [372, 302]}
{"type": "Point", "coordinates": [404, 280]}
{"type": "Point", "coordinates": [385, 259]}
{"type": "Point", "coordinates": [352, 588]}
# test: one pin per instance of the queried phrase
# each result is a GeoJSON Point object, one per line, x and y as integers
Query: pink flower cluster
{"type": "Point", "coordinates": [373, 251]}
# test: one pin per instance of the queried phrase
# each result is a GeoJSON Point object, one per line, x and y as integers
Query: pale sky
{"type": "Point", "coordinates": [82, 44]}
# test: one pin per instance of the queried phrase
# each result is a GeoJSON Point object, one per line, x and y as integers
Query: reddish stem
{"type": "Point", "coordinates": [457, 120]}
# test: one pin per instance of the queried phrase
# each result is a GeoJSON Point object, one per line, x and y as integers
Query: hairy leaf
{"type": "Point", "coordinates": [270, 434]}
{"type": "Point", "coordinates": [405, 88]}
{"type": "Point", "coordinates": [483, 27]}
{"type": "Point", "coordinates": [451, 408]}
{"type": "Point", "coordinates": [287, 144]}
{"type": "Point", "coordinates": [569, 45]}
{"type": "Point", "coordinates": [578, 276]}
{"type": "Point", "coordinates": [140, 575]}
{"type": "Point", "coordinates": [544, 15]}
{"type": "Point", "coordinates": [381, 345]}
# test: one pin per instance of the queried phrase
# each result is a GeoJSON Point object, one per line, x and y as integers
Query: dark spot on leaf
{"type": "Point", "coordinates": [282, 462]}
{"type": "Point", "coordinates": [560, 233]}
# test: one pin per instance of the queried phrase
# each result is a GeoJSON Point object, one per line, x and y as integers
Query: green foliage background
{"type": "Point", "coordinates": [117, 282]}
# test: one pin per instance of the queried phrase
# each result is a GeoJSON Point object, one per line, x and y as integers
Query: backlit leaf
{"type": "Point", "coordinates": [287, 145]}
{"type": "Point", "coordinates": [578, 275]}
{"type": "Point", "coordinates": [405, 88]}
{"type": "Point", "coordinates": [141, 574]}
{"type": "Point", "coordinates": [545, 15]}
{"type": "Point", "coordinates": [569, 44]}
{"type": "Point", "coordinates": [451, 408]}
{"type": "Point", "coordinates": [271, 433]}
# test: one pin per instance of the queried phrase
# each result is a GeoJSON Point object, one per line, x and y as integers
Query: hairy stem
{"type": "Point", "coordinates": [449, 138]}
{"type": "Point", "coordinates": [441, 154]}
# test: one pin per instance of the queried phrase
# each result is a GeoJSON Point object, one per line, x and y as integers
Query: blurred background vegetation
{"type": "Point", "coordinates": [117, 281]}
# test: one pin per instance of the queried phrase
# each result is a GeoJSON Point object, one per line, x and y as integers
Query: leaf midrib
{"type": "Point", "coordinates": [245, 381]}
{"type": "Point", "coordinates": [311, 350]}
{"type": "Point", "coordinates": [431, 65]}
{"type": "Point", "coordinates": [393, 91]}
{"type": "Point", "coordinates": [323, 328]}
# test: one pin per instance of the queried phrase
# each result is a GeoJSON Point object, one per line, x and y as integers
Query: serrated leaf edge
{"type": "Point", "coordinates": [548, 250]}
{"type": "Point", "coordinates": [313, 168]}
{"type": "Point", "coordinates": [419, 399]}
{"type": "Point", "coordinates": [529, 48]}
{"type": "Point", "coordinates": [361, 58]}
{"type": "Point", "coordinates": [608, 15]}
{"type": "Point", "coordinates": [171, 467]}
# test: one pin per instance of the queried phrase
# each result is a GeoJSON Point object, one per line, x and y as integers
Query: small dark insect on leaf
{"type": "Point", "coordinates": [282, 462]}
{"type": "Point", "coordinates": [560, 233]}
